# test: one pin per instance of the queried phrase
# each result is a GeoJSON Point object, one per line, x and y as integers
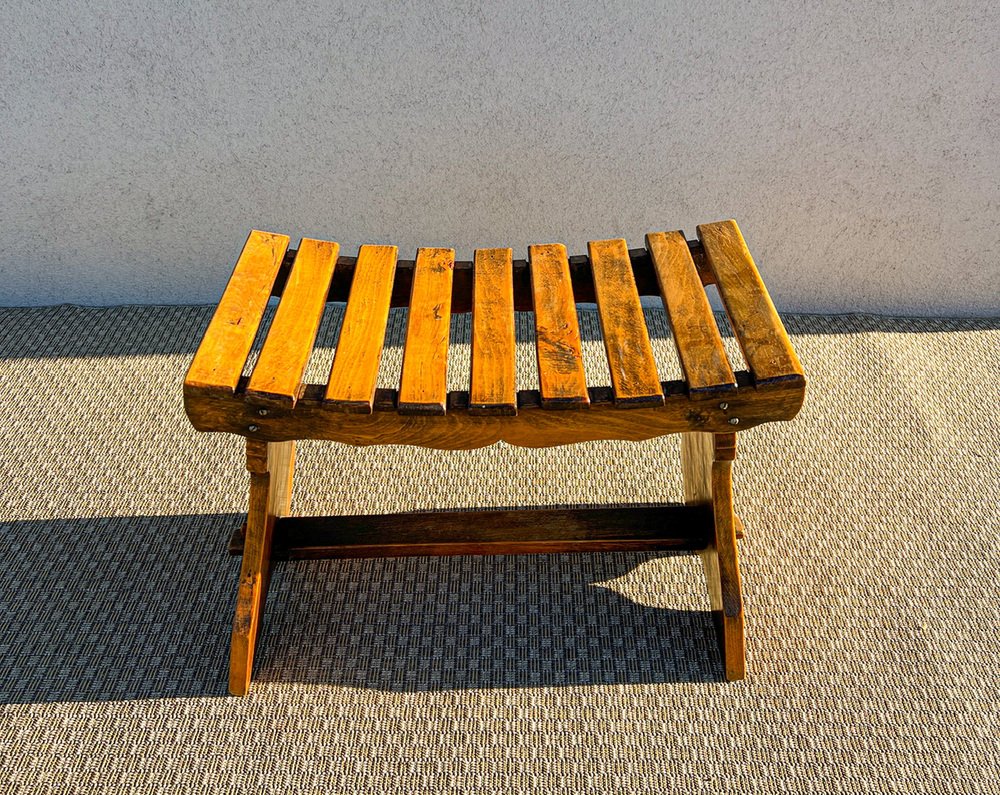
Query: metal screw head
{"type": "Point", "coordinates": [723, 406]}
{"type": "Point", "coordinates": [252, 428]}
{"type": "Point", "coordinates": [262, 412]}
{"type": "Point", "coordinates": [734, 420]}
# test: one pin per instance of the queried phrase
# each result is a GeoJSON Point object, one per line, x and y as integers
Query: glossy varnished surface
{"type": "Point", "coordinates": [493, 389]}
{"type": "Point", "coordinates": [460, 429]}
{"type": "Point", "coordinates": [423, 384]}
{"type": "Point", "coordinates": [354, 374]}
{"type": "Point", "coordinates": [563, 383]}
{"type": "Point", "coordinates": [699, 344]}
{"type": "Point", "coordinates": [278, 373]}
{"type": "Point", "coordinates": [626, 340]}
{"type": "Point", "coordinates": [274, 404]}
{"type": "Point", "coordinates": [219, 360]}
{"type": "Point", "coordinates": [754, 319]}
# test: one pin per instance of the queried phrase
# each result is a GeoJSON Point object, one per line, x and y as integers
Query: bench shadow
{"type": "Point", "coordinates": [139, 607]}
{"type": "Point", "coordinates": [456, 623]}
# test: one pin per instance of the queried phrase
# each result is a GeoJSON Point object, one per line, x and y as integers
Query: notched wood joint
{"type": "Point", "coordinates": [725, 446]}
{"type": "Point", "coordinates": [257, 456]}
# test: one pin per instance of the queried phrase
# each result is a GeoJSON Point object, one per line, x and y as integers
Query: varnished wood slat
{"type": "Point", "coordinates": [218, 362]}
{"type": "Point", "coordinates": [493, 390]}
{"type": "Point", "coordinates": [359, 349]}
{"type": "Point", "coordinates": [755, 321]}
{"type": "Point", "coordinates": [277, 376]}
{"type": "Point", "coordinates": [699, 344]}
{"type": "Point", "coordinates": [460, 429]}
{"type": "Point", "coordinates": [626, 340]}
{"type": "Point", "coordinates": [423, 387]}
{"type": "Point", "coordinates": [497, 532]}
{"type": "Point", "coordinates": [557, 330]}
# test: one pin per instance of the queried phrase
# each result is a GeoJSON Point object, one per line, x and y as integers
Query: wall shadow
{"type": "Point", "coordinates": [115, 608]}
{"type": "Point", "coordinates": [75, 331]}
{"type": "Point", "coordinates": [139, 607]}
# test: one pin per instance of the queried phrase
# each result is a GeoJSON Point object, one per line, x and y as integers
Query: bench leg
{"type": "Point", "coordinates": [270, 466]}
{"type": "Point", "coordinates": [707, 461]}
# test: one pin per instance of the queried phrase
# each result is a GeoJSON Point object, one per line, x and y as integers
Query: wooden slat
{"type": "Point", "coordinates": [277, 376]}
{"type": "Point", "coordinates": [218, 362]}
{"type": "Point", "coordinates": [626, 341]}
{"type": "Point", "coordinates": [359, 350]}
{"type": "Point", "coordinates": [755, 321]}
{"type": "Point", "coordinates": [493, 390]}
{"type": "Point", "coordinates": [498, 532]}
{"type": "Point", "coordinates": [699, 344]}
{"type": "Point", "coordinates": [557, 330]}
{"type": "Point", "coordinates": [423, 385]}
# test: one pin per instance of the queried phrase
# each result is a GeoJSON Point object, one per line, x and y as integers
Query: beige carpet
{"type": "Point", "coordinates": [870, 574]}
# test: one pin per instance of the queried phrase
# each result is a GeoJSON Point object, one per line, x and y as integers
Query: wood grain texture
{"type": "Point", "coordinates": [423, 387]}
{"type": "Point", "coordinates": [706, 461]}
{"type": "Point", "coordinates": [277, 376]}
{"type": "Point", "coordinates": [696, 467]}
{"type": "Point", "coordinates": [270, 467]}
{"type": "Point", "coordinates": [493, 389]}
{"type": "Point", "coordinates": [497, 532]}
{"type": "Point", "coordinates": [351, 410]}
{"type": "Point", "coordinates": [218, 362]}
{"type": "Point", "coordinates": [626, 340]}
{"type": "Point", "coordinates": [696, 335]}
{"type": "Point", "coordinates": [460, 429]}
{"type": "Point", "coordinates": [755, 321]}
{"type": "Point", "coordinates": [557, 330]}
{"type": "Point", "coordinates": [722, 572]}
{"type": "Point", "coordinates": [354, 374]}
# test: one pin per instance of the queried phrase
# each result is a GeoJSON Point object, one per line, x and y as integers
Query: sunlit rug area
{"type": "Point", "coordinates": [870, 573]}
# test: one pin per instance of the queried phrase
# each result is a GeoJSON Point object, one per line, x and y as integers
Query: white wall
{"type": "Point", "coordinates": [856, 142]}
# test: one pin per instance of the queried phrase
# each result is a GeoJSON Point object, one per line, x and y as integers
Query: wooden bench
{"type": "Point", "coordinates": [273, 407]}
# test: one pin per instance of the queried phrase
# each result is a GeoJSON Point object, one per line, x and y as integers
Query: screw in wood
{"type": "Point", "coordinates": [734, 421]}
{"type": "Point", "coordinates": [252, 428]}
{"type": "Point", "coordinates": [262, 412]}
{"type": "Point", "coordinates": [723, 406]}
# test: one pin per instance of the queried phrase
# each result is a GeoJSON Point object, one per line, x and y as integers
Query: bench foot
{"type": "Point", "coordinates": [270, 465]}
{"type": "Point", "coordinates": [707, 461]}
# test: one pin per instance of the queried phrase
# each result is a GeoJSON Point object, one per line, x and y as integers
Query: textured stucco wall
{"type": "Point", "coordinates": [856, 142]}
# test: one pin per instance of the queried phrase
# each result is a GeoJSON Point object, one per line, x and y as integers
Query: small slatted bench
{"type": "Point", "coordinates": [273, 407]}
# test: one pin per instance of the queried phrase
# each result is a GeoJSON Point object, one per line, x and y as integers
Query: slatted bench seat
{"type": "Point", "coordinates": [274, 407]}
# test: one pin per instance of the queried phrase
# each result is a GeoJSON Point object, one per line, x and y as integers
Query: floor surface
{"type": "Point", "coordinates": [869, 565]}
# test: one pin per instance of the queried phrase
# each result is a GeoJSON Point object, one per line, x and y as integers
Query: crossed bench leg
{"type": "Point", "coordinates": [706, 461]}
{"type": "Point", "coordinates": [270, 465]}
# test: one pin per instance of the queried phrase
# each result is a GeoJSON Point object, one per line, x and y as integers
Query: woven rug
{"type": "Point", "coordinates": [870, 573]}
